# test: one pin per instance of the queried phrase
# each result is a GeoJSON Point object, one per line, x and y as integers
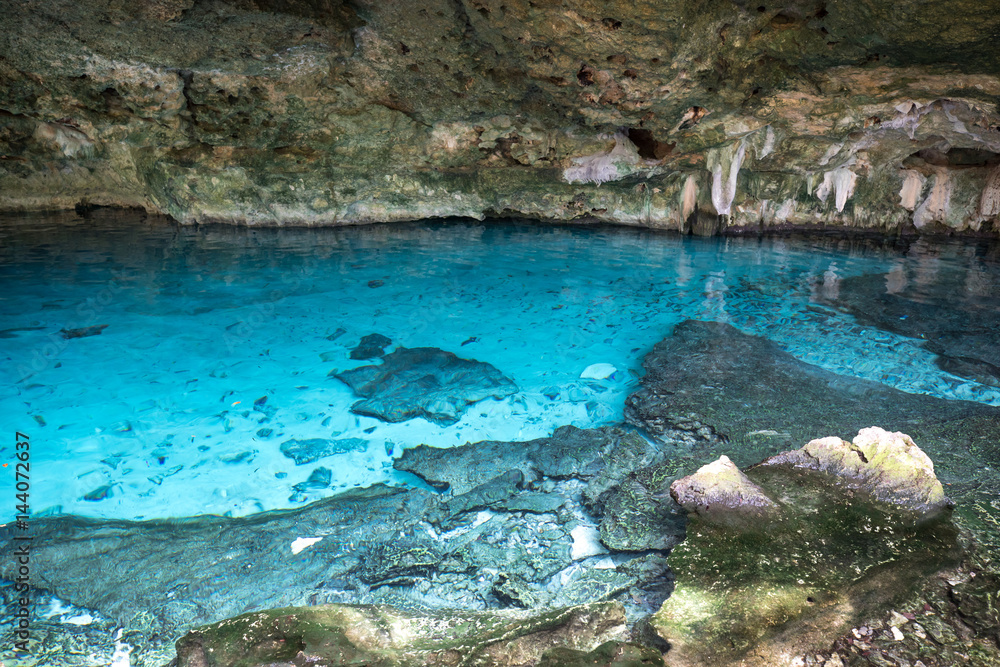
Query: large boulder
{"type": "Point", "coordinates": [887, 466]}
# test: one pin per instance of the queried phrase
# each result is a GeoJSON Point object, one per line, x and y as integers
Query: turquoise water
{"type": "Point", "coordinates": [161, 414]}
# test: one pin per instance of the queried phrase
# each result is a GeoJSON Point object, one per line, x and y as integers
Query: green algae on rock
{"type": "Point", "coordinates": [826, 557]}
{"type": "Point", "coordinates": [887, 466]}
{"type": "Point", "coordinates": [380, 636]}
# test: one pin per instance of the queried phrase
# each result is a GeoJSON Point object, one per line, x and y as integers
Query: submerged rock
{"type": "Point", "coordinates": [371, 346]}
{"type": "Point", "coordinates": [379, 636]}
{"type": "Point", "coordinates": [516, 527]}
{"type": "Point", "coordinates": [954, 315]}
{"type": "Point", "coordinates": [602, 457]}
{"type": "Point", "coordinates": [424, 382]}
{"type": "Point", "coordinates": [313, 449]}
{"type": "Point", "coordinates": [723, 391]}
{"type": "Point", "coordinates": [83, 332]}
{"type": "Point", "coordinates": [640, 515]}
{"type": "Point", "coordinates": [831, 552]}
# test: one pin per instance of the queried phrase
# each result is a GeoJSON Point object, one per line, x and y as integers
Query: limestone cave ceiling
{"type": "Point", "coordinates": [682, 114]}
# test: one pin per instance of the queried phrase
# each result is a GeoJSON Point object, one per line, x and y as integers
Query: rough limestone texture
{"type": "Point", "coordinates": [721, 492]}
{"type": "Point", "coordinates": [768, 593]}
{"type": "Point", "coordinates": [725, 392]}
{"type": "Point", "coordinates": [380, 636]}
{"type": "Point", "coordinates": [424, 382]}
{"type": "Point", "coordinates": [673, 114]}
{"type": "Point", "coordinates": [514, 527]}
{"type": "Point", "coordinates": [888, 466]}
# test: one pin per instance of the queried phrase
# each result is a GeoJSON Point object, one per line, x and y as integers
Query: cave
{"type": "Point", "coordinates": [499, 333]}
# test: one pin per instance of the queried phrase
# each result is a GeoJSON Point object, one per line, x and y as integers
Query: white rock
{"type": "Point", "coordinates": [896, 634]}
{"type": "Point", "coordinates": [586, 542]}
{"type": "Point", "coordinates": [82, 619]}
{"type": "Point", "coordinates": [301, 543]}
{"type": "Point", "coordinates": [121, 656]}
{"type": "Point", "coordinates": [598, 372]}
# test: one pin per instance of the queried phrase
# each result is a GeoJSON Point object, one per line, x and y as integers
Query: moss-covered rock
{"type": "Point", "coordinates": [384, 637]}
{"type": "Point", "coordinates": [828, 554]}
{"type": "Point", "coordinates": [887, 466]}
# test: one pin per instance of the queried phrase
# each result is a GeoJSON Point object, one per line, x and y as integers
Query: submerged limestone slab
{"type": "Point", "coordinates": [601, 456]}
{"type": "Point", "coordinates": [380, 636]}
{"type": "Point", "coordinates": [523, 536]}
{"type": "Point", "coordinates": [313, 449]}
{"type": "Point", "coordinates": [721, 390]}
{"type": "Point", "coordinates": [828, 554]}
{"type": "Point", "coordinates": [424, 382]}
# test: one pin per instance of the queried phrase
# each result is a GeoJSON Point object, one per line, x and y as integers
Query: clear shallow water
{"type": "Point", "coordinates": [157, 416]}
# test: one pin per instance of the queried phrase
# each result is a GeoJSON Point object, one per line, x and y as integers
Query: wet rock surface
{"type": "Point", "coordinates": [424, 382]}
{"type": "Point", "coordinates": [517, 528]}
{"type": "Point", "coordinates": [820, 561]}
{"type": "Point", "coordinates": [708, 384]}
{"type": "Point", "coordinates": [383, 637]}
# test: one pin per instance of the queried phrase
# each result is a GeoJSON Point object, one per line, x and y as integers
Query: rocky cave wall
{"type": "Point", "coordinates": [695, 116]}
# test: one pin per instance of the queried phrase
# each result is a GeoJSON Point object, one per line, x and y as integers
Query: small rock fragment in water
{"type": "Point", "coordinates": [371, 346]}
{"type": "Point", "coordinates": [376, 283]}
{"type": "Point", "coordinates": [320, 478]}
{"type": "Point", "coordinates": [598, 372]}
{"type": "Point", "coordinates": [307, 451]}
{"type": "Point", "coordinates": [80, 619]}
{"type": "Point", "coordinates": [100, 493]}
{"type": "Point", "coordinates": [301, 543]}
{"type": "Point", "coordinates": [337, 334]}
{"type": "Point", "coordinates": [586, 542]}
{"type": "Point", "coordinates": [82, 332]}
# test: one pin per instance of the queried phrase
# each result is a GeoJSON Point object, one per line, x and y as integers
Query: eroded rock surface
{"type": "Point", "coordinates": [673, 114]}
{"type": "Point", "coordinates": [518, 528]}
{"type": "Point", "coordinates": [722, 492]}
{"type": "Point", "coordinates": [384, 637]}
{"type": "Point", "coordinates": [724, 391]}
{"type": "Point", "coordinates": [887, 466]}
{"type": "Point", "coordinates": [424, 382]}
{"type": "Point", "coordinates": [829, 553]}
